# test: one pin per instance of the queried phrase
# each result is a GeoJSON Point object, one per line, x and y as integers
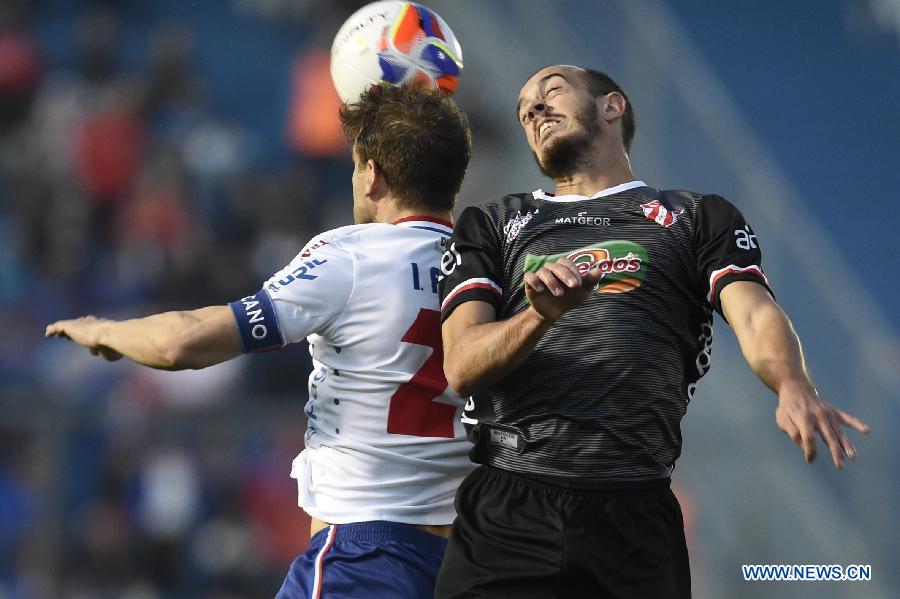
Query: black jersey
{"type": "Point", "coordinates": [603, 393]}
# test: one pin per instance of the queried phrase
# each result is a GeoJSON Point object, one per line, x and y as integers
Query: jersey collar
{"type": "Point", "coordinates": [419, 221]}
{"type": "Point", "coordinates": [540, 194]}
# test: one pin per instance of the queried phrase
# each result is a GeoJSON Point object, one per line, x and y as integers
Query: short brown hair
{"type": "Point", "coordinates": [418, 138]}
{"type": "Point", "coordinates": [600, 84]}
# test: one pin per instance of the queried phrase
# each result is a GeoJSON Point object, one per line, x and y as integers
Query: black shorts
{"type": "Point", "coordinates": [522, 537]}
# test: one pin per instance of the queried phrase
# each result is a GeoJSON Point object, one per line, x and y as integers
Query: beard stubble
{"type": "Point", "coordinates": [563, 157]}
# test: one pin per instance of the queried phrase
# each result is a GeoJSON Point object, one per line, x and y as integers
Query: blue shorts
{"type": "Point", "coordinates": [367, 560]}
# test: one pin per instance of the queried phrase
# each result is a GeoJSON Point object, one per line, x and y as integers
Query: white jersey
{"type": "Point", "coordinates": [384, 438]}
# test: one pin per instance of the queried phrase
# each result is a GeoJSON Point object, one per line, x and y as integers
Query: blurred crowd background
{"type": "Point", "coordinates": [163, 154]}
{"type": "Point", "coordinates": [155, 156]}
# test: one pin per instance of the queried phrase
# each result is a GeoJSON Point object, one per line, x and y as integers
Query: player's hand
{"type": "Point", "coordinates": [802, 415]}
{"type": "Point", "coordinates": [84, 331]}
{"type": "Point", "coordinates": [558, 287]}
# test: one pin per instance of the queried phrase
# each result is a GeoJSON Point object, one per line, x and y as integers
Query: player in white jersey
{"type": "Point", "coordinates": [384, 434]}
{"type": "Point", "coordinates": [385, 449]}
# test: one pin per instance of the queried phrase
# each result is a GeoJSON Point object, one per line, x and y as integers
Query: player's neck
{"type": "Point", "coordinates": [391, 213]}
{"type": "Point", "coordinates": [604, 170]}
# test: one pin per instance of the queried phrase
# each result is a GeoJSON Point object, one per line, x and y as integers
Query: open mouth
{"type": "Point", "coordinates": [546, 126]}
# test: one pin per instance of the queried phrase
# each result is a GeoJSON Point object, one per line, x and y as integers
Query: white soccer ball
{"type": "Point", "coordinates": [394, 42]}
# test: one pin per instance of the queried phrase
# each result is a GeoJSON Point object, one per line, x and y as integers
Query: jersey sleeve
{"type": "Point", "coordinates": [727, 250]}
{"type": "Point", "coordinates": [301, 299]}
{"type": "Point", "coordinates": [471, 267]}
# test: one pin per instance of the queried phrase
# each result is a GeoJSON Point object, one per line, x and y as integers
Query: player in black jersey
{"type": "Point", "coordinates": [580, 323]}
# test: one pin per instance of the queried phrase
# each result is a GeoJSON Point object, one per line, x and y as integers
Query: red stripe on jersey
{"type": "Point", "coordinates": [430, 219]}
{"type": "Point", "coordinates": [730, 270]}
{"type": "Point", "coordinates": [465, 286]}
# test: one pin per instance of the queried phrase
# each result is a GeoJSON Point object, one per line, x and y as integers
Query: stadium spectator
{"type": "Point", "coordinates": [314, 128]}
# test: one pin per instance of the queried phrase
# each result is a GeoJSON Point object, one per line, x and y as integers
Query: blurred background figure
{"type": "Point", "coordinates": [158, 155]}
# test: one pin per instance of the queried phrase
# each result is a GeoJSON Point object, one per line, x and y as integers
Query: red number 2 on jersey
{"type": "Point", "coordinates": [413, 410]}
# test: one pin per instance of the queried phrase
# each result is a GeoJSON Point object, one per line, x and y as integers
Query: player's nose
{"type": "Point", "coordinates": [534, 108]}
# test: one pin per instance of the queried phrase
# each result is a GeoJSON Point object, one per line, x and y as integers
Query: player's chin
{"type": "Point", "coordinates": [549, 149]}
{"type": "Point", "coordinates": [547, 162]}
{"type": "Point", "coordinates": [543, 156]}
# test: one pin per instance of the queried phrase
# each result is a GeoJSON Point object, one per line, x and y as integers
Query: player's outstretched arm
{"type": "Point", "coordinates": [773, 350]}
{"type": "Point", "coordinates": [168, 341]}
{"type": "Point", "coordinates": [479, 351]}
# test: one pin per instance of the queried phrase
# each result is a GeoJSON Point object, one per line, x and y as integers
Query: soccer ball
{"type": "Point", "coordinates": [394, 42]}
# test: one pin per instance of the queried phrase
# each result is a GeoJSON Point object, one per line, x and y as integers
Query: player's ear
{"type": "Point", "coordinates": [375, 181]}
{"type": "Point", "coordinates": [612, 106]}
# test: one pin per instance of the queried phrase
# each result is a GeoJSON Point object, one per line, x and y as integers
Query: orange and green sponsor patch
{"type": "Point", "coordinates": [623, 264]}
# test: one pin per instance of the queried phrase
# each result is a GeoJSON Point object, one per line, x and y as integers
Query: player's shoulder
{"type": "Point", "coordinates": [413, 229]}
{"type": "Point", "coordinates": [381, 240]}
{"type": "Point", "coordinates": [325, 258]}
{"type": "Point", "coordinates": [338, 236]}
{"type": "Point", "coordinates": [343, 240]}
{"type": "Point", "coordinates": [335, 244]}
{"type": "Point", "coordinates": [680, 198]}
{"type": "Point", "coordinates": [693, 198]}
{"type": "Point", "coordinates": [513, 203]}
{"type": "Point", "coordinates": [700, 204]}
{"type": "Point", "coordinates": [502, 209]}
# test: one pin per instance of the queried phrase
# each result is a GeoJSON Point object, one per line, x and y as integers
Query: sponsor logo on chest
{"type": "Point", "coordinates": [622, 263]}
{"type": "Point", "coordinates": [583, 219]}
{"type": "Point", "coordinates": [660, 214]}
{"type": "Point", "coordinates": [515, 225]}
